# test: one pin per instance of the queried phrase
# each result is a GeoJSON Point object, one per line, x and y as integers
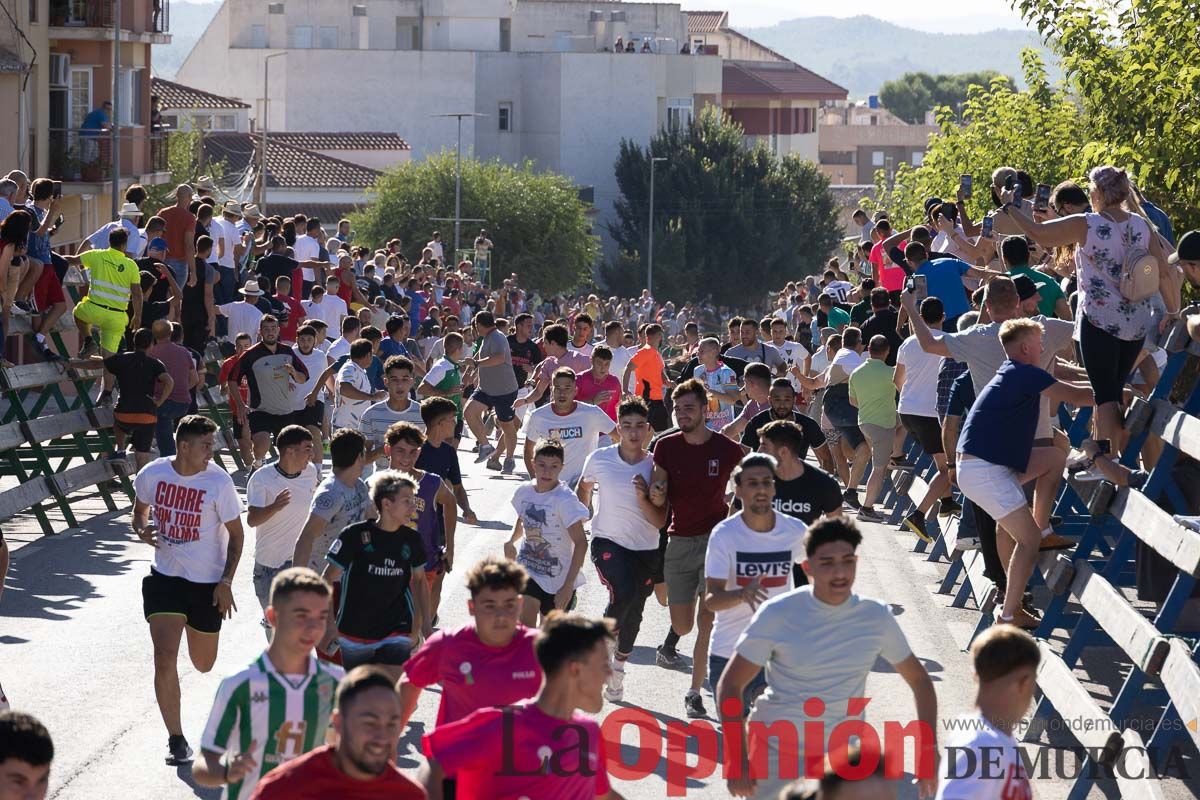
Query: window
{"type": "Point", "coordinates": [505, 35]}
{"type": "Point", "coordinates": [302, 37]}
{"type": "Point", "coordinates": [407, 33]}
{"type": "Point", "coordinates": [877, 158]}
{"type": "Point", "coordinates": [79, 96]}
{"type": "Point", "coordinates": [505, 117]}
{"type": "Point", "coordinates": [258, 36]}
{"type": "Point", "coordinates": [33, 11]}
{"type": "Point", "coordinates": [129, 103]}
{"type": "Point", "coordinates": [77, 12]}
{"type": "Point", "coordinates": [224, 122]}
{"type": "Point", "coordinates": [918, 158]}
{"type": "Point", "coordinates": [327, 37]}
{"type": "Point", "coordinates": [679, 112]}
{"type": "Point", "coordinates": [170, 122]}
{"type": "Point", "coordinates": [201, 122]}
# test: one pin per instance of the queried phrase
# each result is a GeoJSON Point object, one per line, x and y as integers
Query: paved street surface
{"type": "Point", "coordinates": [75, 651]}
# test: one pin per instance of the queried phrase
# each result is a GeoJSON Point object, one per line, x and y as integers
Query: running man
{"type": "Point", "coordinates": [625, 528]}
{"type": "Point", "coordinates": [820, 640]}
{"type": "Point", "coordinates": [366, 719]}
{"type": "Point", "coordinates": [488, 662]}
{"type": "Point", "coordinates": [341, 499]}
{"type": "Point", "coordinates": [501, 752]}
{"type": "Point", "coordinates": [308, 405]}
{"type": "Point", "coordinates": [398, 376]}
{"type": "Point", "coordinates": [196, 533]}
{"type": "Point", "coordinates": [576, 426]}
{"type": "Point", "coordinates": [549, 527]}
{"type": "Point", "coordinates": [694, 463]}
{"type": "Point", "coordinates": [497, 391]}
{"type": "Point", "coordinates": [277, 499]}
{"type": "Point", "coordinates": [436, 517]}
{"type": "Point", "coordinates": [439, 455]}
{"type": "Point", "coordinates": [245, 738]}
{"type": "Point", "coordinates": [381, 566]}
{"type": "Point", "coordinates": [272, 371]}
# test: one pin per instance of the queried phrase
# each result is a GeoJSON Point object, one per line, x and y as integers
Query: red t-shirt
{"type": "Point", "coordinates": [313, 776]}
{"type": "Point", "coordinates": [530, 754]}
{"type": "Point", "coordinates": [696, 479]}
{"type": "Point", "coordinates": [295, 316]}
{"type": "Point", "coordinates": [587, 387]}
{"type": "Point", "coordinates": [181, 224]}
{"type": "Point", "coordinates": [227, 367]}
{"type": "Point", "coordinates": [473, 675]}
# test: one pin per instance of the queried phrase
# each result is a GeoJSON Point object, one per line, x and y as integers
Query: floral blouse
{"type": "Point", "coordinates": [1100, 262]}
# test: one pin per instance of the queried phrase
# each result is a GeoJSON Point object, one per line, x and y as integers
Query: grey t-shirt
{"type": "Point", "coordinates": [339, 505]}
{"type": "Point", "coordinates": [980, 348]}
{"type": "Point", "coordinates": [760, 353]}
{"type": "Point", "coordinates": [500, 379]}
{"type": "Point", "coordinates": [378, 418]}
{"type": "Point", "coordinates": [813, 649]}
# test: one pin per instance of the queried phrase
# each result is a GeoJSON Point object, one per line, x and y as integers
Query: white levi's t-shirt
{"type": "Point", "coordinates": [579, 432]}
{"type": "Point", "coordinates": [738, 555]}
{"type": "Point", "coordinates": [190, 515]}
{"type": "Point", "coordinates": [546, 549]}
{"type": "Point", "coordinates": [619, 516]}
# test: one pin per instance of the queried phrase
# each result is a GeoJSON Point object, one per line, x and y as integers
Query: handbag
{"type": "Point", "coordinates": [1139, 271]}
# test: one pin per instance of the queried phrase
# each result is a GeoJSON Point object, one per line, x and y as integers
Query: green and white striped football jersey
{"type": "Point", "coordinates": [286, 717]}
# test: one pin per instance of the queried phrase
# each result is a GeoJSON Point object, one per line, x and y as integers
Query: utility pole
{"type": "Point", "coordinates": [458, 177]}
{"type": "Point", "coordinates": [115, 132]}
{"type": "Point", "coordinates": [262, 165]}
{"type": "Point", "coordinates": [650, 229]}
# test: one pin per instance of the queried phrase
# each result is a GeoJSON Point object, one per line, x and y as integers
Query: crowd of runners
{"type": "Point", "coordinates": [716, 465]}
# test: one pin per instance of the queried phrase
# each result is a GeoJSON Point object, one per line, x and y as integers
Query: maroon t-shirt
{"type": "Point", "coordinates": [696, 479]}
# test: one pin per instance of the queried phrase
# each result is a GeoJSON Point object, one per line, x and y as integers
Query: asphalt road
{"type": "Point", "coordinates": [75, 651]}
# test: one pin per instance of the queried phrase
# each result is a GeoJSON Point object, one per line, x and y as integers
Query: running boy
{"type": "Point", "coordinates": [439, 455]}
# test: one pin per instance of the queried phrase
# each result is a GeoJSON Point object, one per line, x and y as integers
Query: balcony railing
{"type": "Point", "coordinates": [99, 14]}
{"type": "Point", "coordinates": [87, 156]}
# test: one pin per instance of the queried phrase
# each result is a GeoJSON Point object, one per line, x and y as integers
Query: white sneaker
{"type": "Point", "coordinates": [1077, 460]}
{"type": "Point", "coordinates": [1092, 473]}
{"type": "Point", "coordinates": [614, 690]}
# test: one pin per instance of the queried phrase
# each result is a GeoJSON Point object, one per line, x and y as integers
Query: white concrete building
{"type": "Point", "coordinates": [540, 73]}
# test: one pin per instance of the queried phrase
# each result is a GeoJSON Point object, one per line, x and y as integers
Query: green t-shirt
{"type": "Point", "coordinates": [873, 392]}
{"type": "Point", "coordinates": [838, 318]}
{"type": "Point", "coordinates": [1049, 292]}
{"type": "Point", "coordinates": [859, 312]}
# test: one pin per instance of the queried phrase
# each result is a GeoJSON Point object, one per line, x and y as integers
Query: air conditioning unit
{"type": "Point", "coordinates": [60, 69]}
{"type": "Point", "coordinates": [360, 10]}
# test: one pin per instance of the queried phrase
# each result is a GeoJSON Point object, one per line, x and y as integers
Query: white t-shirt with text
{"type": "Point", "coordinates": [546, 549]}
{"type": "Point", "coordinates": [275, 539]}
{"type": "Point", "coordinates": [579, 432]}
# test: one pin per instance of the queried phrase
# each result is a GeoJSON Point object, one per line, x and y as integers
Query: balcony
{"type": "Point", "coordinates": [77, 157]}
{"type": "Point", "coordinates": [146, 21]}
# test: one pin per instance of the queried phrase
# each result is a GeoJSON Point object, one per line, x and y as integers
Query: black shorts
{"type": "Point", "coordinates": [310, 416]}
{"type": "Point", "coordinates": [501, 404]}
{"type": "Point", "coordinates": [545, 599]}
{"type": "Point", "coordinates": [852, 434]}
{"type": "Point", "coordinates": [659, 576]}
{"type": "Point", "coordinates": [262, 422]}
{"type": "Point", "coordinates": [141, 435]}
{"type": "Point", "coordinates": [926, 430]}
{"type": "Point", "coordinates": [164, 594]}
{"type": "Point", "coordinates": [660, 418]}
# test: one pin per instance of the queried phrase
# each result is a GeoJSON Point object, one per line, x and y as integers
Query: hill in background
{"type": "Point", "coordinates": [860, 53]}
{"type": "Point", "coordinates": [188, 21]}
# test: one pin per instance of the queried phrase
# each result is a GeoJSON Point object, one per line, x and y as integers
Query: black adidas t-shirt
{"type": "Point", "coordinates": [377, 568]}
{"type": "Point", "coordinates": [813, 435]}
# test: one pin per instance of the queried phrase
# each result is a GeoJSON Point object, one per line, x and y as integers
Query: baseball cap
{"type": "Point", "coordinates": [1026, 288]}
{"type": "Point", "coordinates": [157, 244]}
{"type": "Point", "coordinates": [1188, 248]}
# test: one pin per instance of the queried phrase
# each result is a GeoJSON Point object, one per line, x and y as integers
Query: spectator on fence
{"type": "Point", "coordinates": [113, 282]}
{"type": "Point", "coordinates": [162, 295]}
{"type": "Point", "coordinates": [146, 385]}
{"type": "Point", "coordinates": [180, 234]}
{"type": "Point", "coordinates": [873, 393]}
{"type": "Point", "coordinates": [198, 313]}
{"type": "Point", "coordinates": [181, 368]}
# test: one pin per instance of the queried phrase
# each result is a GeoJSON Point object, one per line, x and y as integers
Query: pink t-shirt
{"type": "Point", "coordinates": [891, 277]}
{"type": "Point", "coordinates": [588, 388]}
{"type": "Point", "coordinates": [542, 758]}
{"type": "Point", "coordinates": [473, 675]}
{"type": "Point", "coordinates": [578, 363]}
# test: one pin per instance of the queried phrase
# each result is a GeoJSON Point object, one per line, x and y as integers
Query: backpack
{"type": "Point", "coordinates": [1139, 271]}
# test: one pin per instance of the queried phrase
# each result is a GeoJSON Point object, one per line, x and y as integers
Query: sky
{"type": "Point", "coordinates": [958, 17]}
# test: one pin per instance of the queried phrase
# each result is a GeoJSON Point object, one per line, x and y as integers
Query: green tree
{"type": "Point", "coordinates": [184, 164]}
{"type": "Point", "coordinates": [914, 94]}
{"type": "Point", "coordinates": [536, 220]}
{"type": "Point", "coordinates": [1135, 66]}
{"type": "Point", "coordinates": [729, 221]}
{"type": "Point", "coordinates": [1036, 129]}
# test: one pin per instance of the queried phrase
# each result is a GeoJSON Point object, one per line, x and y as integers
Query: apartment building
{"type": "Point", "coordinates": [857, 140]}
{"type": "Point", "coordinates": [56, 67]}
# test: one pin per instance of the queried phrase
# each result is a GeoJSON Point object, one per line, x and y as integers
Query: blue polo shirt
{"type": "Point", "coordinates": [1000, 427]}
{"type": "Point", "coordinates": [945, 283]}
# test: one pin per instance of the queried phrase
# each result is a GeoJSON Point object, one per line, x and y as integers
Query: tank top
{"type": "Point", "coordinates": [428, 519]}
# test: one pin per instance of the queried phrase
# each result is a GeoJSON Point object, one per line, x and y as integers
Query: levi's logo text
{"type": "Point", "coordinates": [177, 512]}
{"type": "Point", "coordinates": [771, 569]}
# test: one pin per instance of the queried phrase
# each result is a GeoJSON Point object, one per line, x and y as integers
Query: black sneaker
{"type": "Point", "coordinates": [105, 399]}
{"type": "Point", "coordinates": [178, 751]}
{"type": "Point", "coordinates": [915, 522]}
{"type": "Point", "coordinates": [45, 352]}
{"type": "Point", "coordinates": [948, 507]}
{"type": "Point", "coordinates": [869, 514]}
{"type": "Point", "coordinates": [850, 498]}
{"type": "Point", "coordinates": [89, 348]}
{"type": "Point", "coordinates": [668, 657]}
{"type": "Point", "coordinates": [900, 464]}
{"type": "Point", "coordinates": [694, 705]}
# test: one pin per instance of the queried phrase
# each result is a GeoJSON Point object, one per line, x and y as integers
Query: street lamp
{"type": "Point", "coordinates": [650, 228]}
{"type": "Point", "coordinates": [458, 175]}
{"type": "Point", "coordinates": [262, 169]}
